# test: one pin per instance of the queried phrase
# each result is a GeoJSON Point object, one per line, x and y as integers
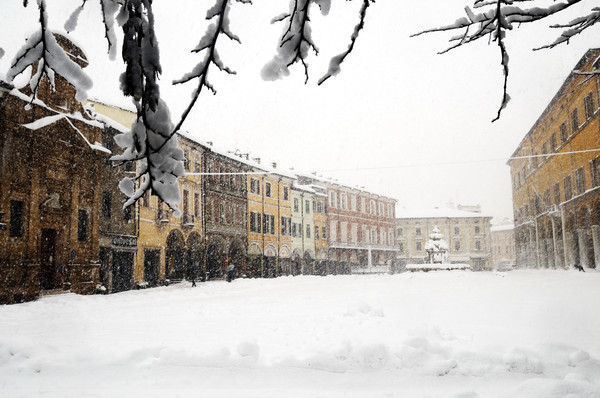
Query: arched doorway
{"type": "Point", "coordinates": [237, 254]}
{"type": "Point", "coordinates": [269, 262]}
{"type": "Point", "coordinates": [296, 262]}
{"type": "Point", "coordinates": [175, 255]}
{"type": "Point", "coordinates": [309, 261]}
{"type": "Point", "coordinates": [215, 258]}
{"type": "Point", "coordinates": [195, 258]}
{"type": "Point", "coordinates": [253, 262]}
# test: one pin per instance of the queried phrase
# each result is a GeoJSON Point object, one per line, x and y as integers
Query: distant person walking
{"type": "Point", "coordinates": [230, 271]}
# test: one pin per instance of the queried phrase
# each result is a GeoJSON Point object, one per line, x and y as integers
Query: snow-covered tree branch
{"type": "Point", "coordinates": [150, 141]}
{"type": "Point", "coordinates": [500, 16]}
{"type": "Point", "coordinates": [49, 58]}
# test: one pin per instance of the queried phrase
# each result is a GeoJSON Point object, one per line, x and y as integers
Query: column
{"type": "Point", "coordinates": [583, 248]}
{"type": "Point", "coordinates": [596, 241]}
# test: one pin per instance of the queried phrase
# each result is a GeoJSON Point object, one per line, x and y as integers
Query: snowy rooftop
{"type": "Point", "coordinates": [498, 228]}
{"type": "Point", "coordinates": [438, 212]}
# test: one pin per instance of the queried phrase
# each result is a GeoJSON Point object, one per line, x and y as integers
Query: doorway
{"type": "Point", "coordinates": [48, 277]}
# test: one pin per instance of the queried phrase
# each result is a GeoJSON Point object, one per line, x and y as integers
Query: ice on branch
{"type": "Point", "coordinates": [160, 160]}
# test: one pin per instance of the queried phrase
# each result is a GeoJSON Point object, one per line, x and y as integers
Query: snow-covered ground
{"type": "Point", "coordinates": [436, 334]}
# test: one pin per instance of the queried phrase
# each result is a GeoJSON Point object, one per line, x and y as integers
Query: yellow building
{"type": "Point", "coordinates": [269, 221]}
{"type": "Point", "coordinates": [555, 177]}
{"type": "Point", "coordinates": [168, 248]}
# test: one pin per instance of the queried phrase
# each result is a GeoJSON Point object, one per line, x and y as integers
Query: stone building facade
{"type": "Point", "coordinates": [49, 202]}
{"type": "Point", "coordinates": [555, 174]}
{"type": "Point", "coordinates": [360, 231]}
{"type": "Point", "coordinates": [503, 245]}
{"type": "Point", "coordinates": [466, 232]}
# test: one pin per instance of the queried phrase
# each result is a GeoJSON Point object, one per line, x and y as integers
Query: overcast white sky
{"type": "Point", "coordinates": [399, 119]}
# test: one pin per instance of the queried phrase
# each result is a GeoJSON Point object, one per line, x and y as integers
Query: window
{"type": "Point", "coordinates": [401, 247]}
{"type": "Point", "coordinates": [419, 246]}
{"type": "Point", "coordinates": [307, 206]}
{"type": "Point", "coordinates": [545, 149]}
{"type": "Point", "coordinates": [186, 202]}
{"type": "Point", "coordinates": [17, 218]}
{"type": "Point", "coordinates": [196, 205]}
{"type": "Point", "coordinates": [380, 209]}
{"type": "Point", "coordinates": [343, 201]}
{"type": "Point", "coordinates": [254, 222]}
{"type": "Point", "coordinates": [477, 230]}
{"type": "Point", "coordinates": [269, 224]}
{"type": "Point", "coordinates": [588, 103]}
{"type": "Point", "coordinates": [323, 233]}
{"type": "Point", "coordinates": [580, 180]}
{"type": "Point", "coordinates": [553, 143]}
{"type": "Point", "coordinates": [255, 186]}
{"type": "Point", "coordinates": [372, 208]}
{"type": "Point", "coordinates": [456, 245]}
{"type": "Point", "coordinates": [308, 228]}
{"type": "Point", "coordinates": [418, 231]}
{"type": "Point", "coordinates": [186, 161]}
{"type": "Point", "coordinates": [595, 171]}
{"type": "Point", "coordinates": [353, 202]}
{"type": "Point", "coordinates": [333, 231]}
{"type": "Point", "coordinates": [456, 231]}
{"type": "Point", "coordinates": [547, 201]}
{"type": "Point", "coordinates": [556, 193]}
{"type": "Point", "coordinates": [400, 232]}
{"type": "Point", "coordinates": [83, 225]}
{"type": "Point", "coordinates": [146, 199]}
{"type": "Point", "coordinates": [268, 189]}
{"type": "Point", "coordinates": [294, 230]}
{"type": "Point", "coordinates": [316, 232]}
{"type": "Point", "coordinates": [535, 160]}
{"type": "Point", "coordinates": [296, 205]}
{"type": "Point", "coordinates": [286, 193]}
{"type": "Point", "coordinates": [332, 199]}
{"type": "Point", "coordinates": [222, 213]}
{"type": "Point", "coordinates": [563, 133]}
{"type": "Point", "coordinates": [106, 199]}
{"type": "Point", "coordinates": [127, 213]}
{"type": "Point", "coordinates": [568, 188]}
{"type": "Point", "coordinates": [477, 246]}
{"type": "Point", "coordinates": [574, 121]}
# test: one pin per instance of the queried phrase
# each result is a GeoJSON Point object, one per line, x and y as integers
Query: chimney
{"type": "Point", "coordinates": [209, 143]}
{"type": "Point", "coordinates": [274, 164]}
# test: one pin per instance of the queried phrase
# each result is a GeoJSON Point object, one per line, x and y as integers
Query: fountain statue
{"type": "Point", "coordinates": [436, 248]}
{"type": "Point", "coordinates": [437, 255]}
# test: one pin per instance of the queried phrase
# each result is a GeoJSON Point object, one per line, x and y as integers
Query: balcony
{"type": "Point", "coordinates": [187, 220]}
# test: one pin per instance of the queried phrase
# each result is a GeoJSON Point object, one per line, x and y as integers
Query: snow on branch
{"type": "Point", "coordinates": [208, 44]}
{"type": "Point", "coordinates": [335, 62]}
{"type": "Point", "coordinates": [42, 49]}
{"type": "Point", "coordinates": [574, 28]}
{"type": "Point", "coordinates": [295, 42]}
{"type": "Point", "coordinates": [159, 158]}
{"type": "Point", "coordinates": [500, 16]}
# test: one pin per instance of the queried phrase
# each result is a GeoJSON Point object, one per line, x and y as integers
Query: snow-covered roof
{"type": "Point", "coordinates": [438, 212]}
{"type": "Point", "coordinates": [305, 188]}
{"type": "Point", "coordinates": [498, 228]}
{"type": "Point", "coordinates": [48, 120]}
{"type": "Point", "coordinates": [243, 160]}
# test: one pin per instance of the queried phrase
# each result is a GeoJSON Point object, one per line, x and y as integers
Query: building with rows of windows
{"type": "Point", "coordinates": [555, 174]}
{"type": "Point", "coordinates": [465, 229]}
{"type": "Point", "coordinates": [63, 225]}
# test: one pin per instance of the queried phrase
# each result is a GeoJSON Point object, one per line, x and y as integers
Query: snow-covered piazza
{"type": "Point", "coordinates": [436, 334]}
